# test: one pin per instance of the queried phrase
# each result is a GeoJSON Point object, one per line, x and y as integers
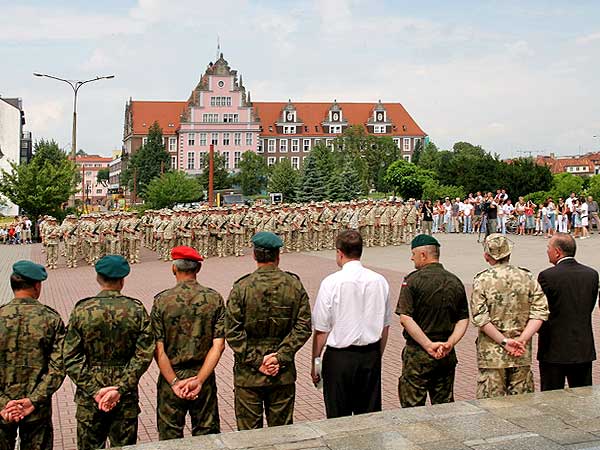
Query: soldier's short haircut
{"type": "Point", "coordinates": [264, 255]}
{"type": "Point", "coordinates": [432, 250]}
{"type": "Point", "coordinates": [350, 243]}
{"type": "Point", "coordinates": [107, 280]}
{"type": "Point", "coordinates": [19, 283]}
{"type": "Point", "coordinates": [565, 243]}
{"type": "Point", "coordinates": [187, 266]}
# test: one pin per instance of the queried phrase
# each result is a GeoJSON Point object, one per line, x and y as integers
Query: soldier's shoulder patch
{"type": "Point", "coordinates": [409, 275]}
{"type": "Point", "coordinates": [478, 274]}
{"type": "Point", "coordinates": [83, 300]}
{"type": "Point", "coordinates": [293, 274]}
{"type": "Point", "coordinates": [525, 269]}
{"type": "Point", "coordinates": [52, 310]}
{"type": "Point", "coordinates": [160, 293]}
{"type": "Point", "coordinates": [242, 278]}
{"type": "Point", "coordinates": [135, 300]}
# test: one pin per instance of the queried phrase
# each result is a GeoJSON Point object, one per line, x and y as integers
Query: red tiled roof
{"type": "Point", "coordinates": [93, 158]}
{"type": "Point", "coordinates": [145, 113]}
{"type": "Point", "coordinates": [559, 165]}
{"type": "Point", "coordinates": [313, 114]}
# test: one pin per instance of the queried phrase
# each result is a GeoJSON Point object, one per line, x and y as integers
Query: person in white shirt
{"type": "Point", "coordinates": [467, 217]}
{"type": "Point", "coordinates": [351, 316]}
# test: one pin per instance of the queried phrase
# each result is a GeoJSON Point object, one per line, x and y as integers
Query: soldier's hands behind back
{"type": "Point", "coordinates": [270, 365]}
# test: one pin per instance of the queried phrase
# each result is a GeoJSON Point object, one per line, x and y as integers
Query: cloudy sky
{"type": "Point", "coordinates": [509, 75]}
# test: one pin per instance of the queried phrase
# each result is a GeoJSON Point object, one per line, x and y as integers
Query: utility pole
{"type": "Point", "coordinates": [211, 173]}
{"type": "Point", "coordinates": [134, 193]}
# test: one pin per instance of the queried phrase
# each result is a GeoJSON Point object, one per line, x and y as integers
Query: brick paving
{"type": "Point", "coordinates": [460, 255]}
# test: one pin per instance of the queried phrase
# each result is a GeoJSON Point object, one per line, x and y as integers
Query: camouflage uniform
{"type": "Point", "coordinates": [436, 300]}
{"type": "Point", "coordinates": [31, 366]}
{"type": "Point", "coordinates": [52, 240]}
{"type": "Point", "coordinates": [186, 319]}
{"type": "Point", "coordinates": [109, 342]}
{"type": "Point", "coordinates": [508, 297]}
{"type": "Point", "coordinates": [70, 231]}
{"type": "Point", "coordinates": [267, 311]}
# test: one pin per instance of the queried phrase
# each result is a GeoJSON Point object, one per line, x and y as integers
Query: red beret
{"type": "Point", "coordinates": [183, 252]}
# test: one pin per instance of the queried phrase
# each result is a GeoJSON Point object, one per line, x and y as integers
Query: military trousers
{"type": "Point", "coordinates": [172, 410]}
{"type": "Point", "coordinates": [51, 255]}
{"type": "Point", "coordinates": [35, 435]}
{"type": "Point", "coordinates": [119, 426]}
{"type": "Point", "coordinates": [507, 381]}
{"type": "Point", "coordinates": [277, 403]}
{"type": "Point", "coordinates": [422, 375]}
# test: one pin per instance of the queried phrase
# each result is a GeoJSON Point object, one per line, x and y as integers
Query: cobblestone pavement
{"type": "Point", "coordinates": [460, 254]}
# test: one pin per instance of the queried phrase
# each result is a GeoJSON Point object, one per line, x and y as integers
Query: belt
{"type": "Point", "coordinates": [357, 348]}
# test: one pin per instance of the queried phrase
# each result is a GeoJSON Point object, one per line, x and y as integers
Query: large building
{"type": "Point", "coordinates": [90, 191]}
{"type": "Point", "coordinates": [583, 165]}
{"type": "Point", "coordinates": [219, 111]}
{"type": "Point", "coordinates": [15, 143]}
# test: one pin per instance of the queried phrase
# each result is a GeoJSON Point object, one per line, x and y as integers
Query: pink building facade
{"type": "Point", "coordinates": [218, 112]}
{"type": "Point", "coordinates": [89, 190]}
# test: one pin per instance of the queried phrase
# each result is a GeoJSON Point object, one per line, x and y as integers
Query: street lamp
{"type": "Point", "coordinates": [75, 85]}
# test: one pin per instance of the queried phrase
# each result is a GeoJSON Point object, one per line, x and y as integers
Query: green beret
{"type": "Point", "coordinates": [113, 266]}
{"type": "Point", "coordinates": [28, 269]}
{"type": "Point", "coordinates": [267, 240]}
{"type": "Point", "coordinates": [423, 239]}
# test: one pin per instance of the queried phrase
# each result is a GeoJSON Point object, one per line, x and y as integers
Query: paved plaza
{"type": "Point", "coordinates": [460, 254]}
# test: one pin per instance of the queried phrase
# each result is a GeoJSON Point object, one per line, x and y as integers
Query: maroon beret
{"type": "Point", "coordinates": [183, 252]}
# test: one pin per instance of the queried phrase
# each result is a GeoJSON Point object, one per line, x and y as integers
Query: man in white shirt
{"type": "Point", "coordinates": [352, 315]}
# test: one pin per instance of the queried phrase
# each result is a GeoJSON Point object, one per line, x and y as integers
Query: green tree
{"type": "Point", "coordinates": [351, 183]}
{"type": "Point", "coordinates": [470, 166]}
{"type": "Point", "coordinates": [594, 187]}
{"type": "Point", "coordinates": [335, 188]}
{"type": "Point", "coordinates": [408, 179]}
{"type": "Point", "coordinates": [433, 190]}
{"type": "Point", "coordinates": [171, 188]}
{"type": "Point", "coordinates": [222, 178]}
{"type": "Point", "coordinates": [103, 176]}
{"type": "Point", "coordinates": [284, 179]}
{"type": "Point", "coordinates": [418, 150]}
{"type": "Point", "coordinates": [429, 158]}
{"type": "Point", "coordinates": [565, 183]}
{"type": "Point", "coordinates": [148, 162]}
{"type": "Point", "coordinates": [313, 184]}
{"type": "Point", "coordinates": [522, 176]}
{"type": "Point", "coordinates": [42, 185]}
{"type": "Point", "coordinates": [253, 173]}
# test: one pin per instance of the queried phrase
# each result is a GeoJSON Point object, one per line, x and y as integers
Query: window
{"type": "Point", "coordinates": [248, 138]}
{"type": "Point", "coordinates": [203, 139]}
{"type": "Point", "coordinates": [237, 157]}
{"type": "Point", "coordinates": [98, 191]}
{"type": "Point", "coordinates": [296, 162]}
{"type": "Point", "coordinates": [226, 157]}
{"type": "Point", "coordinates": [191, 139]}
{"type": "Point", "coordinates": [295, 145]}
{"type": "Point", "coordinates": [260, 146]}
{"type": "Point", "coordinates": [214, 139]}
{"type": "Point", "coordinates": [173, 162]}
{"type": "Point", "coordinates": [282, 158]}
{"type": "Point", "coordinates": [271, 160]}
{"type": "Point", "coordinates": [407, 144]}
{"type": "Point", "coordinates": [283, 145]}
{"type": "Point", "coordinates": [144, 140]}
{"type": "Point", "coordinates": [317, 141]}
{"type": "Point", "coordinates": [88, 174]}
{"type": "Point", "coordinates": [225, 138]}
{"type": "Point", "coordinates": [289, 129]}
{"type": "Point", "coordinates": [306, 146]}
{"type": "Point", "coordinates": [237, 139]}
{"type": "Point", "coordinates": [397, 142]}
{"type": "Point", "coordinates": [416, 141]}
{"type": "Point", "coordinates": [335, 128]}
{"type": "Point", "coordinates": [210, 118]}
{"type": "Point", "coordinates": [271, 148]}
{"type": "Point", "coordinates": [379, 129]}
{"type": "Point", "coordinates": [162, 140]}
{"type": "Point", "coordinates": [190, 160]}
{"type": "Point", "coordinates": [172, 144]}
{"type": "Point", "coordinates": [201, 159]}
{"type": "Point", "coordinates": [407, 158]}
{"type": "Point", "coordinates": [329, 143]}
{"type": "Point", "coordinates": [230, 118]}
{"type": "Point", "coordinates": [220, 101]}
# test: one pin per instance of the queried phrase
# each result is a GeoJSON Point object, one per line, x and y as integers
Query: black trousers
{"type": "Point", "coordinates": [552, 375]}
{"type": "Point", "coordinates": [352, 380]}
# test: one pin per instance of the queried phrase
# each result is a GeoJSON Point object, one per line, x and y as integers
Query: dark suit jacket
{"type": "Point", "coordinates": [572, 292]}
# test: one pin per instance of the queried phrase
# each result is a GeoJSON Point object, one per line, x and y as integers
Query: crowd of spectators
{"type": "Point", "coordinates": [16, 232]}
{"type": "Point", "coordinates": [497, 213]}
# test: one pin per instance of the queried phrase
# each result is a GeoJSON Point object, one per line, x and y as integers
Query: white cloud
{"type": "Point", "coordinates": [98, 60]}
{"type": "Point", "coordinates": [45, 115]}
{"type": "Point", "coordinates": [588, 38]}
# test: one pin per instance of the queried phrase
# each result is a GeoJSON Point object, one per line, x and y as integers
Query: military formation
{"type": "Point", "coordinates": [224, 231]}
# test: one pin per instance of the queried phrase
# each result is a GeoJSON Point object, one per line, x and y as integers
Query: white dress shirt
{"type": "Point", "coordinates": [353, 306]}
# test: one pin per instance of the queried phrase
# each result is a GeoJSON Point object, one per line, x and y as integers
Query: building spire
{"type": "Point", "coordinates": [218, 48]}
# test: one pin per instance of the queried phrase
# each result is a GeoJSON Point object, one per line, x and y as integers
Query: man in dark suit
{"type": "Point", "coordinates": [566, 342]}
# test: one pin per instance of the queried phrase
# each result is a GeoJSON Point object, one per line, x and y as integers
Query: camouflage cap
{"type": "Point", "coordinates": [31, 270]}
{"type": "Point", "coordinates": [497, 246]}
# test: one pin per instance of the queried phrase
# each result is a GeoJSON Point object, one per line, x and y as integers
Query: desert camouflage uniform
{"type": "Point", "coordinates": [109, 342]}
{"type": "Point", "coordinates": [168, 238]}
{"type": "Point", "coordinates": [31, 366]}
{"type": "Point", "coordinates": [436, 300]}
{"type": "Point", "coordinates": [70, 233]}
{"type": "Point", "coordinates": [186, 319]}
{"type": "Point", "coordinates": [52, 238]}
{"type": "Point", "coordinates": [267, 312]}
{"type": "Point", "coordinates": [508, 297]}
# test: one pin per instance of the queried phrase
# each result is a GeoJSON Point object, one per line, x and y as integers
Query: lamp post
{"type": "Point", "coordinates": [75, 85]}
